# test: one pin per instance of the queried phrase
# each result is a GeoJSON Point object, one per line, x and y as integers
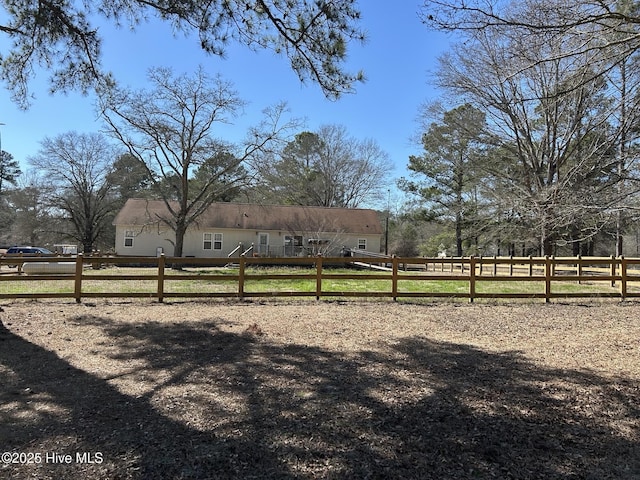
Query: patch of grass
{"type": "Point", "coordinates": [266, 280]}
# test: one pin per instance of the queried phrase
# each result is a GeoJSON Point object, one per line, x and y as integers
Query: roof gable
{"type": "Point", "coordinates": [246, 216]}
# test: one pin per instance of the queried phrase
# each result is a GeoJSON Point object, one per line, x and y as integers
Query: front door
{"type": "Point", "coordinates": [263, 244]}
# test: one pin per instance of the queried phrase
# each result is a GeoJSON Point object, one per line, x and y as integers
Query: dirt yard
{"type": "Point", "coordinates": [319, 390]}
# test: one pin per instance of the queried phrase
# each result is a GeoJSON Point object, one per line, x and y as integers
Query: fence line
{"type": "Point", "coordinates": [615, 272]}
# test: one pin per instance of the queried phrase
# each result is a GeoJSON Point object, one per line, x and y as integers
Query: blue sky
{"type": "Point", "coordinates": [397, 59]}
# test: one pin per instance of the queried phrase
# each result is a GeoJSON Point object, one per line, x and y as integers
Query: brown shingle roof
{"type": "Point", "coordinates": [260, 217]}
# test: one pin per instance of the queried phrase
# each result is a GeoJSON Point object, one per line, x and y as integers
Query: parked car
{"type": "Point", "coordinates": [29, 251]}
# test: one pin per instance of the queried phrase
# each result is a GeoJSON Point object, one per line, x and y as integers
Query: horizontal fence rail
{"type": "Point", "coordinates": [392, 277]}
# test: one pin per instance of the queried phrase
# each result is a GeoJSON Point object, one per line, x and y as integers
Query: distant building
{"type": "Point", "coordinates": [273, 230]}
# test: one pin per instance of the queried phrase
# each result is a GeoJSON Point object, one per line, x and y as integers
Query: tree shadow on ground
{"type": "Point", "coordinates": [214, 404]}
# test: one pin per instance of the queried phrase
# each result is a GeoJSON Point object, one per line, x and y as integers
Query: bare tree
{"type": "Point", "coordinates": [603, 36]}
{"type": "Point", "coordinates": [170, 129]}
{"type": "Point", "coordinates": [328, 168]}
{"type": "Point", "coordinates": [75, 169]}
{"type": "Point", "coordinates": [616, 23]}
{"type": "Point", "coordinates": [623, 79]}
{"type": "Point", "coordinates": [552, 122]}
{"type": "Point", "coordinates": [608, 33]}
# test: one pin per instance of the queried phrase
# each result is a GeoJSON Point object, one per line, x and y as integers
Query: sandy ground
{"type": "Point", "coordinates": [207, 390]}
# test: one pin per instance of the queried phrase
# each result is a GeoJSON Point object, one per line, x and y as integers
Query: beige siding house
{"type": "Point", "coordinates": [273, 230]}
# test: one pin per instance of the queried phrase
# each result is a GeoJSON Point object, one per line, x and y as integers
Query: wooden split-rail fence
{"type": "Point", "coordinates": [83, 277]}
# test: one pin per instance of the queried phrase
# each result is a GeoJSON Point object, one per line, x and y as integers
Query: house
{"type": "Point", "coordinates": [273, 230]}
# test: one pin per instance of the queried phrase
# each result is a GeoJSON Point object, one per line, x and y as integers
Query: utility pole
{"type": "Point", "coordinates": [386, 231]}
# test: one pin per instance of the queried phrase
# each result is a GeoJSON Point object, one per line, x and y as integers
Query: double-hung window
{"type": "Point", "coordinates": [207, 241]}
{"type": "Point", "coordinates": [212, 241]}
{"type": "Point", "coordinates": [217, 241]}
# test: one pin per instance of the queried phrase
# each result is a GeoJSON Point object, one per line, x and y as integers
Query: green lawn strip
{"type": "Point", "coordinates": [19, 287]}
{"type": "Point", "coordinates": [222, 280]}
{"type": "Point", "coordinates": [539, 287]}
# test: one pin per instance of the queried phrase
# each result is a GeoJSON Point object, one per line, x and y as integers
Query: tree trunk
{"type": "Point", "coordinates": [458, 234]}
{"type": "Point", "coordinates": [619, 242]}
{"type": "Point", "coordinates": [178, 246]}
{"type": "Point", "coordinates": [575, 242]}
{"type": "Point", "coordinates": [546, 243]}
{"type": "Point", "coordinates": [180, 231]}
{"type": "Point", "coordinates": [621, 155]}
{"type": "Point", "coordinates": [87, 243]}
{"type": "Point", "coordinates": [575, 248]}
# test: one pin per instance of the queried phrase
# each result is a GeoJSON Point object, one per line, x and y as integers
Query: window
{"type": "Point", "coordinates": [212, 241]}
{"type": "Point", "coordinates": [362, 244]}
{"type": "Point", "coordinates": [217, 241]}
{"type": "Point", "coordinates": [293, 240]}
{"type": "Point", "coordinates": [129, 235]}
{"type": "Point", "coordinates": [207, 241]}
{"type": "Point", "coordinates": [292, 244]}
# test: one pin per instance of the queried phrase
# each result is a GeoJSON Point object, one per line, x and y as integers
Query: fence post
{"type": "Point", "coordinates": [548, 271]}
{"type": "Point", "coordinates": [472, 278]}
{"type": "Point", "coordinates": [241, 276]}
{"type": "Point", "coordinates": [161, 266]}
{"type": "Point", "coordinates": [511, 265]}
{"type": "Point", "coordinates": [78, 278]}
{"type": "Point", "coordinates": [530, 266]}
{"type": "Point", "coordinates": [613, 270]}
{"type": "Point", "coordinates": [318, 276]}
{"type": "Point", "coordinates": [21, 264]}
{"type": "Point", "coordinates": [623, 277]}
{"type": "Point", "coordinates": [394, 278]}
{"type": "Point", "coordinates": [579, 269]}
